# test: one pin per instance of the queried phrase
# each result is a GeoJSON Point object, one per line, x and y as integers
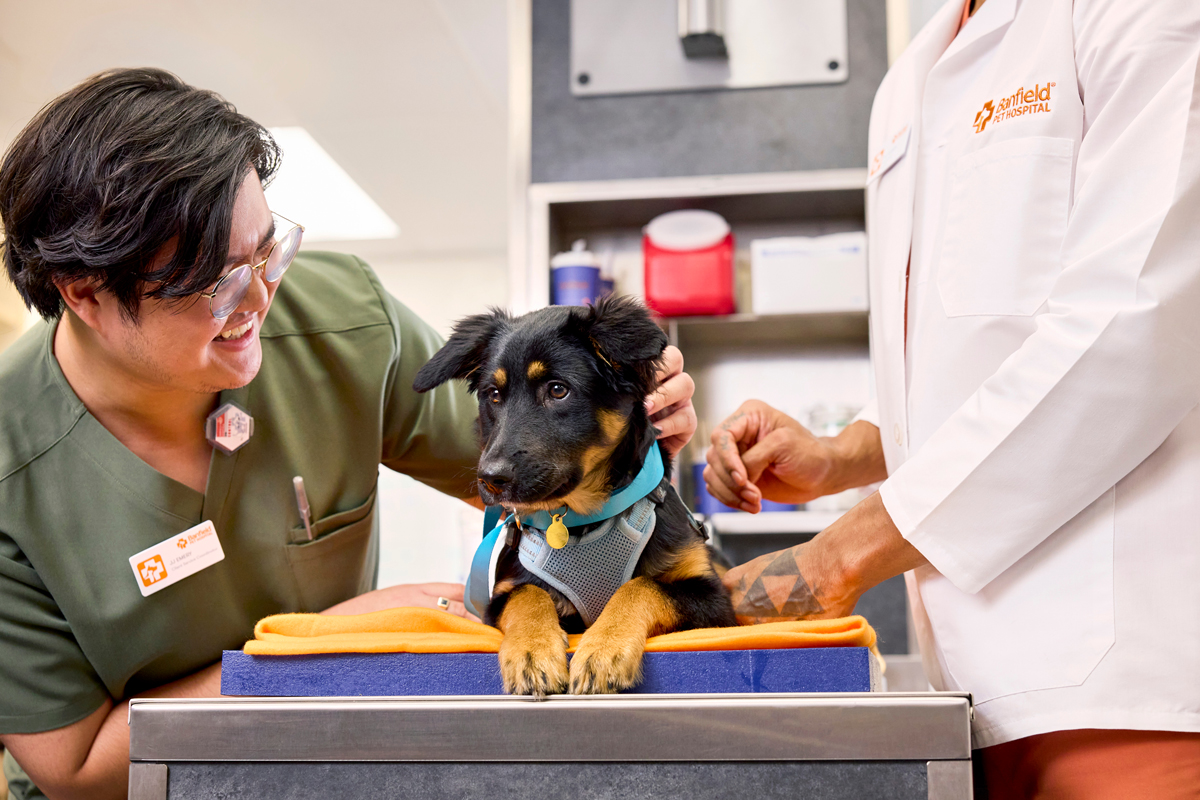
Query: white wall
{"type": "Point", "coordinates": [427, 536]}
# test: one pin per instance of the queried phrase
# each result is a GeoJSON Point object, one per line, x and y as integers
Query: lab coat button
{"type": "Point", "coordinates": [899, 436]}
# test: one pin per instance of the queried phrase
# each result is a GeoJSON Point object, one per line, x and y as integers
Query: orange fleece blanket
{"type": "Point", "coordinates": [425, 630]}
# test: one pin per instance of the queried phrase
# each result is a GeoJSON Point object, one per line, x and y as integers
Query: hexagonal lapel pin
{"type": "Point", "coordinates": [228, 428]}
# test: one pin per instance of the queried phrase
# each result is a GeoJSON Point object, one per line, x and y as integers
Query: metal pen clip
{"type": "Point", "coordinates": [302, 504]}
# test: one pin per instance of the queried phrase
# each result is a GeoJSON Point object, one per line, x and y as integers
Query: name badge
{"type": "Point", "coordinates": [177, 557]}
{"type": "Point", "coordinates": [889, 154]}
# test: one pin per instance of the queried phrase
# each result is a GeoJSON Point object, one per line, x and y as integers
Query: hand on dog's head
{"type": "Point", "coordinates": [561, 394]}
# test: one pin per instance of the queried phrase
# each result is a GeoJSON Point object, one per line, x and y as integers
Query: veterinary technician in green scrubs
{"type": "Point", "coordinates": [136, 225]}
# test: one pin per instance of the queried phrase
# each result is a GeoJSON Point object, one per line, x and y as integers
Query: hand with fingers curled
{"type": "Point", "coordinates": [761, 453]}
{"type": "Point", "coordinates": [670, 405]}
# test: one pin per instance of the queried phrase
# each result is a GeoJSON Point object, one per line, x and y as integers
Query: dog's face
{"type": "Point", "coordinates": [559, 391]}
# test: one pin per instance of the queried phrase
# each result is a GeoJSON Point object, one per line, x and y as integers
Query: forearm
{"type": "Point", "coordinates": [834, 569]}
{"type": "Point", "coordinates": [107, 766]}
{"type": "Point", "coordinates": [90, 758]}
{"type": "Point", "coordinates": [856, 458]}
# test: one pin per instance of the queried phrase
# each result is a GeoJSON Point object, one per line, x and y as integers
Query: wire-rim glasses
{"type": "Point", "coordinates": [231, 290]}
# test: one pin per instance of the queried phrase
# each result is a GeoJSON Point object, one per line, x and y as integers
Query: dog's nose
{"type": "Point", "coordinates": [495, 475]}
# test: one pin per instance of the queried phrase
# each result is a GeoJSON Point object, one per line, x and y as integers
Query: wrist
{"type": "Point", "coordinates": [854, 457]}
{"type": "Point", "coordinates": [833, 575]}
{"type": "Point", "coordinates": [841, 466]}
{"type": "Point", "coordinates": [864, 548]}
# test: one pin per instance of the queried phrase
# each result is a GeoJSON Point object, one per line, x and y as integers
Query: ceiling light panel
{"type": "Point", "coordinates": [312, 189]}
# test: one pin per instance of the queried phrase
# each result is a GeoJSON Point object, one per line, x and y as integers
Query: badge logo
{"type": "Point", "coordinates": [152, 570]}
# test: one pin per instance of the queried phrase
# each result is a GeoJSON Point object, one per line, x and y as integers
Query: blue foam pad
{"type": "Point", "coordinates": [826, 669]}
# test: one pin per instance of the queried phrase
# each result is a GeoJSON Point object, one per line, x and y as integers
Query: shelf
{"type": "Point", "coordinates": [699, 186]}
{"type": "Point", "coordinates": [753, 329]}
{"type": "Point", "coordinates": [739, 522]}
{"type": "Point", "coordinates": [559, 213]}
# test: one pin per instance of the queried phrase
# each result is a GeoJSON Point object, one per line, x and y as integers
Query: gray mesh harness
{"type": "Point", "coordinates": [591, 567]}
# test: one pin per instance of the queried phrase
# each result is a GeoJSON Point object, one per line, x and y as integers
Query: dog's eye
{"type": "Point", "coordinates": [494, 395]}
{"type": "Point", "coordinates": [558, 390]}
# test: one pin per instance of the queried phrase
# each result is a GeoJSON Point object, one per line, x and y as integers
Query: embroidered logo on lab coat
{"type": "Point", "coordinates": [1018, 104]}
{"type": "Point", "coordinates": [981, 120]}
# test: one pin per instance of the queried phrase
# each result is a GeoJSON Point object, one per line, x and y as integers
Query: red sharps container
{"type": "Point", "coordinates": [689, 264]}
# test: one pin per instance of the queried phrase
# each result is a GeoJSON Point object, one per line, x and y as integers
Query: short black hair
{"type": "Point", "coordinates": [113, 170]}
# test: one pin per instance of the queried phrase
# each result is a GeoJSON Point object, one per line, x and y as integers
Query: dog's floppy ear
{"type": "Point", "coordinates": [462, 356]}
{"type": "Point", "coordinates": [619, 330]}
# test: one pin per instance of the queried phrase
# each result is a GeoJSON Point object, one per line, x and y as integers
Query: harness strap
{"type": "Point", "coordinates": [590, 569]}
{"type": "Point", "coordinates": [478, 590]}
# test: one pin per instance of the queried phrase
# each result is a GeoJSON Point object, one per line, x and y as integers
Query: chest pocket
{"type": "Point", "coordinates": [340, 561]}
{"type": "Point", "coordinates": [1006, 218]}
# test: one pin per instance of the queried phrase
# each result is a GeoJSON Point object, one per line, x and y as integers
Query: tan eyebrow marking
{"type": "Point", "coordinates": [535, 370]}
{"type": "Point", "coordinates": [500, 377]}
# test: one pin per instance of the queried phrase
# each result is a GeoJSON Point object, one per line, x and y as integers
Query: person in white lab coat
{"type": "Point", "coordinates": [1033, 213]}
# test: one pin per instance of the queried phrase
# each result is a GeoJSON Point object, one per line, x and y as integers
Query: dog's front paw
{"type": "Point", "coordinates": [534, 663]}
{"type": "Point", "coordinates": [605, 664]}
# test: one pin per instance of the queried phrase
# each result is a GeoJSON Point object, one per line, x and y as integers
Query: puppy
{"type": "Point", "coordinates": [563, 424]}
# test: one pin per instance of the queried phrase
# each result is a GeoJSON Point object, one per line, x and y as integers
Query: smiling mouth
{"type": "Point", "coordinates": [236, 333]}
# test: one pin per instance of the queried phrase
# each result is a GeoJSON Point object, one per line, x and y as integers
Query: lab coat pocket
{"type": "Point", "coordinates": [1043, 623]}
{"type": "Point", "coordinates": [339, 563]}
{"type": "Point", "coordinates": [1006, 216]}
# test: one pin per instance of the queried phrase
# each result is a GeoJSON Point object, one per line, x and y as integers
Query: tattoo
{"type": "Point", "coordinates": [727, 424]}
{"type": "Point", "coordinates": [777, 591]}
{"type": "Point", "coordinates": [724, 440]}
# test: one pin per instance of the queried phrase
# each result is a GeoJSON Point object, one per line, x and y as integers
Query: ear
{"type": "Point", "coordinates": [463, 355]}
{"type": "Point", "coordinates": [82, 296]}
{"type": "Point", "coordinates": [620, 331]}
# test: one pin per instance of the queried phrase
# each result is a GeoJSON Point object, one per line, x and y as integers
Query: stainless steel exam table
{"type": "Point", "coordinates": [872, 745]}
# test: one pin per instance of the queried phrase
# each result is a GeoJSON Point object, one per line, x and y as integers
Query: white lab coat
{"type": "Point", "coordinates": [1043, 437]}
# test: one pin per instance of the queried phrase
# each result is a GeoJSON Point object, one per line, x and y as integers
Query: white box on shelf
{"type": "Point", "coordinates": [809, 274]}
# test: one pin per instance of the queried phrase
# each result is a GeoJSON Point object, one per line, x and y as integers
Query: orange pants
{"type": "Point", "coordinates": [1094, 765]}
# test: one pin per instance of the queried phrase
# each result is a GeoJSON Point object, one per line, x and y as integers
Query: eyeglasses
{"type": "Point", "coordinates": [231, 290]}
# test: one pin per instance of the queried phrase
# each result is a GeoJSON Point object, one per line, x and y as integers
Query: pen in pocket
{"type": "Point", "coordinates": [302, 504]}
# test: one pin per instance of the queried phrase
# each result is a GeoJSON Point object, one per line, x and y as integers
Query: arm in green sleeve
{"type": "Point", "coordinates": [432, 436]}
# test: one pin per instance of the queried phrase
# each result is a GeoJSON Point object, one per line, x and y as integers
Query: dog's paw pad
{"type": "Point", "coordinates": [534, 668]}
{"type": "Point", "coordinates": [606, 667]}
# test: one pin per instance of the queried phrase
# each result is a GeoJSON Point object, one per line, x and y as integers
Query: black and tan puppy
{"type": "Point", "coordinates": [563, 426]}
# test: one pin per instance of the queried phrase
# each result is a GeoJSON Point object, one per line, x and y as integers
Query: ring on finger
{"type": "Point", "coordinates": [443, 603]}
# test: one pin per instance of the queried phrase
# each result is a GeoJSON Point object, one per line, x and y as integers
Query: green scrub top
{"type": "Point", "coordinates": [332, 401]}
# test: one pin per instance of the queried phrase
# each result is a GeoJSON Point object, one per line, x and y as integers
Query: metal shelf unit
{"type": "Point", "coordinates": [557, 213]}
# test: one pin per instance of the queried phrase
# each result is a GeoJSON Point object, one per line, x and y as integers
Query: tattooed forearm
{"type": "Point", "coordinates": [775, 590]}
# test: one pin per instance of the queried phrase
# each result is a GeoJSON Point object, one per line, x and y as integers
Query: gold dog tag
{"type": "Point", "coordinates": [556, 534]}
